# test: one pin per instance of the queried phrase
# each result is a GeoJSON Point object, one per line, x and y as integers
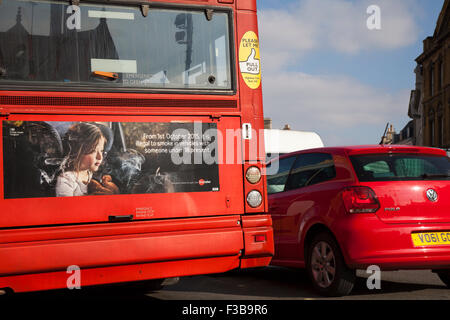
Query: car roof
{"type": "Point", "coordinates": [371, 149]}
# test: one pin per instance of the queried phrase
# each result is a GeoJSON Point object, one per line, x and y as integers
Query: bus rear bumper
{"type": "Point", "coordinates": [117, 274]}
{"type": "Point", "coordinates": [258, 241]}
{"type": "Point", "coordinates": [46, 258]}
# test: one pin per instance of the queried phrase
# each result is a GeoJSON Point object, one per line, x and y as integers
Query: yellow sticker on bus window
{"type": "Point", "coordinates": [249, 60]}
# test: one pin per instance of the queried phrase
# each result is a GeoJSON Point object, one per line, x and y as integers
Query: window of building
{"type": "Point", "coordinates": [432, 79]}
{"type": "Point", "coordinates": [431, 124]}
{"type": "Point", "coordinates": [432, 132]}
{"type": "Point", "coordinates": [440, 126]}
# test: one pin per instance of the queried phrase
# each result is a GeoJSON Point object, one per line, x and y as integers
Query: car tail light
{"type": "Point", "coordinates": [360, 200]}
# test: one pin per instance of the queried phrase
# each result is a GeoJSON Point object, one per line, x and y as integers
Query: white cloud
{"type": "Point", "coordinates": [341, 109]}
{"type": "Point", "coordinates": [339, 25]}
{"type": "Point", "coordinates": [334, 106]}
{"type": "Point", "coordinates": [284, 36]}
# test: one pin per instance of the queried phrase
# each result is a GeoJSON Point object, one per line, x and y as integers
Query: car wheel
{"type": "Point", "coordinates": [326, 267]}
{"type": "Point", "coordinates": [444, 275]}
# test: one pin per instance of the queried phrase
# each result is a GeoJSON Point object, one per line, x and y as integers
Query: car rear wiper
{"type": "Point", "coordinates": [435, 175]}
{"type": "Point", "coordinates": [2, 72]}
{"type": "Point", "coordinates": [112, 76]}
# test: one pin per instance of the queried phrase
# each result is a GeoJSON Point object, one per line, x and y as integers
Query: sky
{"type": "Point", "coordinates": [324, 70]}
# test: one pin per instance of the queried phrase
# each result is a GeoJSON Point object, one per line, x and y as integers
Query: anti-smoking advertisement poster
{"type": "Point", "coordinates": [62, 159]}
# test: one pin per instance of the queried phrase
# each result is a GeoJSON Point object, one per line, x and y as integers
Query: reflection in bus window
{"type": "Point", "coordinates": [104, 45]}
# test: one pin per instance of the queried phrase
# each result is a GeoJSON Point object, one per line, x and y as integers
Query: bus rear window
{"type": "Point", "coordinates": [397, 167]}
{"type": "Point", "coordinates": [54, 43]}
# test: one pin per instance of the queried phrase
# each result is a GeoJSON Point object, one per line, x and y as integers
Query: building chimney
{"type": "Point", "coordinates": [267, 123]}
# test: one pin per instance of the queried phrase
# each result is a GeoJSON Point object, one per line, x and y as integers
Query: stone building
{"type": "Point", "coordinates": [434, 64]}
{"type": "Point", "coordinates": [415, 110]}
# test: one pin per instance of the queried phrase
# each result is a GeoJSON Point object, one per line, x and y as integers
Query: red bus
{"type": "Point", "coordinates": [131, 145]}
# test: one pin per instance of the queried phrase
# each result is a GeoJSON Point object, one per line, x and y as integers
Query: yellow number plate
{"type": "Point", "coordinates": [431, 238]}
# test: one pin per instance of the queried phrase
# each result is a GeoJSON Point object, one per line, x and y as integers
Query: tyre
{"type": "Point", "coordinates": [326, 267]}
{"type": "Point", "coordinates": [444, 275]}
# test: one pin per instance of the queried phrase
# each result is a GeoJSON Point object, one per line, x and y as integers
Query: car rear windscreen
{"type": "Point", "coordinates": [397, 167]}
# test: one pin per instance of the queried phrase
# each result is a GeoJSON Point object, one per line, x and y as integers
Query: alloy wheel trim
{"type": "Point", "coordinates": [323, 264]}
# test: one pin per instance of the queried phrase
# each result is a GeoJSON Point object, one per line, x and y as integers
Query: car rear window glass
{"type": "Point", "coordinates": [277, 174]}
{"type": "Point", "coordinates": [311, 168]}
{"type": "Point", "coordinates": [397, 167]}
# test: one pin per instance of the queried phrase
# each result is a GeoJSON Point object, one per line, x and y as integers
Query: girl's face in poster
{"type": "Point", "coordinates": [93, 160]}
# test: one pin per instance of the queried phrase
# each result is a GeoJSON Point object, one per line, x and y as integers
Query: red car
{"type": "Point", "coordinates": [336, 210]}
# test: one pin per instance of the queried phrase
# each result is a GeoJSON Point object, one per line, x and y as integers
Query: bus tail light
{"type": "Point", "coordinates": [254, 187]}
{"type": "Point", "coordinates": [260, 238]}
{"type": "Point", "coordinates": [360, 200]}
{"type": "Point", "coordinates": [254, 198]}
{"type": "Point", "coordinates": [253, 175]}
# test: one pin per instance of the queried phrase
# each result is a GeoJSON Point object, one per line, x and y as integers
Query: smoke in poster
{"type": "Point", "coordinates": [60, 159]}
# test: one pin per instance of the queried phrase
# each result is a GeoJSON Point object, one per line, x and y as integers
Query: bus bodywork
{"type": "Point", "coordinates": [172, 89]}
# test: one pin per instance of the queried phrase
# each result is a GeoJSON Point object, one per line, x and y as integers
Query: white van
{"type": "Point", "coordinates": [278, 142]}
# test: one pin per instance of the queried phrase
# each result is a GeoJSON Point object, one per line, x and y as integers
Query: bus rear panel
{"type": "Point", "coordinates": [127, 135]}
